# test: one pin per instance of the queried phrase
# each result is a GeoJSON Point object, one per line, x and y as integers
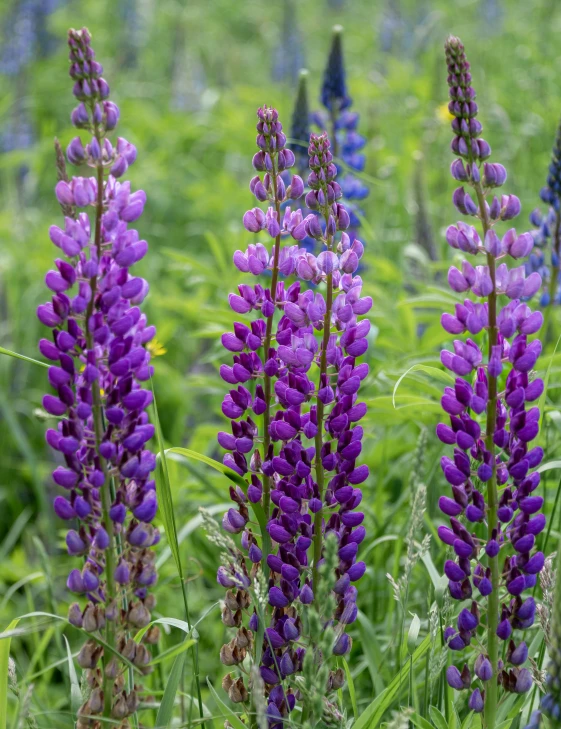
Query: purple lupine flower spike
{"type": "Point", "coordinates": [492, 415]}
{"type": "Point", "coordinates": [305, 475]}
{"type": "Point", "coordinates": [100, 366]}
{"type": "Point", "coordinates": [347, 142]}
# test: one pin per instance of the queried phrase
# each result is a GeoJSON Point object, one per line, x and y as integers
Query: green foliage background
{"type": "Point", "coordinates": [188, 77]}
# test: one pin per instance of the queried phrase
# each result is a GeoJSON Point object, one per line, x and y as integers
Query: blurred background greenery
{"type": "Point", "coordinates": [188, 77]}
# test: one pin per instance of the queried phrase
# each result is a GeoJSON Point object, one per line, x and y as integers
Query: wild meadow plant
{"type": "Point", "coordinates": [290, 587]}
{"type": "Point", "coordinates": [492, 473]}
{"type": "Point", "coordinates": [100, 365]}
{"type": "Point", "coordinates": [290, 542]}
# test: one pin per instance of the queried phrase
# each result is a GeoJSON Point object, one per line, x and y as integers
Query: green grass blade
{"type": "Point", "coordinates": [173, 652]}
{"type": "Point", "coordinates": [189, 528]}
{"type": "Point", "coordinates": [164, 491]}
{"type": "Point", "coordinates": [434, 371]}
{"type": "Point", "coordinates": [9, 353]}
{"type": "Point", "coordinates": [420, 722]}
{"type": "Point", "coordinates": [75, 693]}
{"type": "Point", "coordinates": [232, 475]}
{"type": "Point", "coordinates": [437, 718]}
{"type": "Point", "coordinates": [227, 713]}
{"type": "Point", "coordinates": [351, 688]}
{"type": "Point", "coordinates": [4, 666]}
{"type": "Point", "coordinates": [372, 715]}
{"type": "Point", "coordinates": [165, 712]}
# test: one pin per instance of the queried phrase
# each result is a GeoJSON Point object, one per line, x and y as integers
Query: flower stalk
{"type": "Point", "coordinates": [492, 495]}
{"type": "Point", "coordinates": [99, 361]}
{"type": "Point", "coordinates": [309, 389]}
{"type": "Point", "coordinates": [489, 424]}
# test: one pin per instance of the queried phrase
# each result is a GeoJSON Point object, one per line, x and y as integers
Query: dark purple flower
{"type": "Point", "coordinates": [302, 468]}
{"type": "Point", "coordinates": [99, 349]}
{"type": "Point", "coordinates": [490, 428]}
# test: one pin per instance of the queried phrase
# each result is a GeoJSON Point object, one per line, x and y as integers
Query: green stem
{"type": "Point", "coordinates": [267, 383]}
{"type": "Point", "coordinates": [265, 539]}
{"type": "Point", "coordinates": [491, 697]}
{"type": "Point", "coordinates": [110, 592]}
{"type": "Point", "coordinates": [267, 344]}
{"type": "Point", "coordinates": [320, 475]}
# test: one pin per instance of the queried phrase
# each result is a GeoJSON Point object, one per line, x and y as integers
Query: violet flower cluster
{"type": "Point", "coordinates": [492, 418]}
{"type": "Point", "coordinates": [100, 367]}
{"type": "Point", "coordinates": [301, 464]}
{"type": "Point", "coordinates": [547, 231]}
{"type": "Point", "coordinates": [343, 123]}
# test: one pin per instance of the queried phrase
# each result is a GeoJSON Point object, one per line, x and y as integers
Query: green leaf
{"type": "Point", "coordinates": [437, 718]}
{"type": "Point", "coordinates": [420, 722]}
{"type": "Point", "coordinates": [238, 480]}
{"type": "Point", "coordinates": [165, 712]}
{"type": "Point", "coordinates": [171, 622]}
{"type": "Point", "coordinates": [189, 528]}
{"type": "Point", "coordinates": [165, 498]}
{"type": "Point", "coordinates": [232, 475]}
{"type": "Point", "coordinates": [549, 466]}
{"type": "Point", "coordinates": [372, 715]}
{"type": "Point", "coordinates": [75, 693]}
{"type": "Point", "coordinates": [227, 713]}
{"type": "Point", "coordinates": [5, 642]}
{"type": "Point", "coordinates": [351, 687]}
{"type": "Point", "coordinates": [434, 371]}
{"type": "Point", "coordinates": [4, 666]}
{"type": "Point", "coordinates": [173, 652]}
{"type": "Point", "coordinates": [413, 634]}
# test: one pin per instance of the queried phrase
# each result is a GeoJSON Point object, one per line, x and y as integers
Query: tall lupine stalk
{"type": "Point", "coordinates": [100, 362]}
{"type": "Point", "coordinates": [307, 395]}
{"type": "Point", "coordinates": [342, 123]}
{"type": "Point", "coordinates": [489, 423]}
